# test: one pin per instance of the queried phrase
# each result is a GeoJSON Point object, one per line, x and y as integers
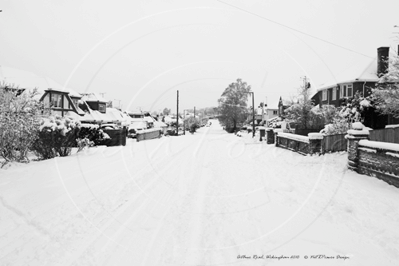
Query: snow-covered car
{"type": "Point", "coordinates": [109, 126]}
{"type": "Point", "coordinates": [135, 127]}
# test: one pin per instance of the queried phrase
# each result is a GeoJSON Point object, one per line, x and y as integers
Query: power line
{"type": "Point", "coordinates": [293, 29]}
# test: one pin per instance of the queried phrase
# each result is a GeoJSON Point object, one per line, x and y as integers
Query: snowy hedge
{"type": "Point", "coordinates": [18, 120]}
{"type": "Point", "coordinates": [56, 137]}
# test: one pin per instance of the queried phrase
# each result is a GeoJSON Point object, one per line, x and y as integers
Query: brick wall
{"type": "Point", "coordinates": [373, 158]}
{"type": "Point", "coordinates": [297, 143]}
{"type": "Point", "coordinates": [380, 163]}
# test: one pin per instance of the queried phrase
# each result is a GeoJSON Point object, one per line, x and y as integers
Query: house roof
{"type": "Point", "coordinates": [28, 80]}
{"type": "Point", "coordinates": [94, 97]}
{"type": "Point", "coordinates": [356, 72]}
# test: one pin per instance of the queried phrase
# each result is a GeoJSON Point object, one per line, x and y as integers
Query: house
{"type": "Point", "coordinates": [270, 112]}
{"type": "Point", "coordinates": [61, 101]}
{"type": "Point", "coordinates": [56, 98]}
{"type": "Point", "coordinates": [358, 78]}
{"type": "Point", "coordinates": [95, 102]}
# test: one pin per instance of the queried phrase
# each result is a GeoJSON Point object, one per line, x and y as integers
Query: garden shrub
{"type": "Point", "coordinates": [56, 137]}
{"type": "Point", "coordinates": [19, 113]}
{"type": "Point", "coordinates": [93, 133]}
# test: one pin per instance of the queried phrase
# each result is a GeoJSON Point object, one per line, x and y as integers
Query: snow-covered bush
{"type": "Point", "coordinates": [56, 137]}
{"type": "Point", "coordinates": [386, 95]}
{"type": "Point", "coordinates": [93, 133]}
{"type": "Point", "coordinates": [339, 125]}
{"type": "Point", "coordinates": [84, 143]}
{"type": "Point", "coordinates": [19, 113]}
{"type": "Point", "coordinates": [192, 124]}
{"type": "Point", "coordinates": [355, 107]}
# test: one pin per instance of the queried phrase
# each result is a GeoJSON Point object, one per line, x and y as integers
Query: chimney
{"type": "Point", "coordinates": [382, 60]}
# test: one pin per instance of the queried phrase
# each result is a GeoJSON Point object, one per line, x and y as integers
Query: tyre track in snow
{"type": "Point", "coordinates": [165, 165]}
{"type": "Point", "coordinates": [47, 209]}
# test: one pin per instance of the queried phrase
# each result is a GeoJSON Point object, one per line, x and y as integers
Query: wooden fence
{"type": "Point", "coordinates": [385, 135]}
{"type": "Point", "coordinates": [152, 133]}
{"type": "Point", "coordinates": [334, 143]}
{"type": "Point", "coordinates": [118, 137]}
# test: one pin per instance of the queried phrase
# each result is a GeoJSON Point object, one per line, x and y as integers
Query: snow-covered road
{"type": "Point", "coordinates": [205, 199]}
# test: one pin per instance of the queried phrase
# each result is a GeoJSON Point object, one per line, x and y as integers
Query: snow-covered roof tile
{"type": "Point", "coordinates": [28, 80]}
{"type": "Point", "coordinates": [356, 72]}
{"type": "Point", "coordinates": [93, 97]}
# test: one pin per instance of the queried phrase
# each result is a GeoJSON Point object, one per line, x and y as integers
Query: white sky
{"type": "Point", "coordinates": [140, 52]}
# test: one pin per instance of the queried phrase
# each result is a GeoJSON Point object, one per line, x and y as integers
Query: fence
{"type": "Point", "coordinates": [301, 144]}
{"type": "Point", "coordinates": [334, 143]}
{"type": "Point", "coordinates": [152, 133]}
{"type": "Point", "coordinates": [118, 137]}
{"type": "Point", "coordinates": [385, 135]}
{"type": "Point", "coordinates": [374, 158]}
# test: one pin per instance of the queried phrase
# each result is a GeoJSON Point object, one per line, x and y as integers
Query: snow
{"type": "Point", "coordinates": [380, 145]}
{"type": "Point", "coordinates": [294, 137]}
{"type": "Point", "coordinates": [89, 125]}
{"type": "Point", "coordinates": [149, 130]}
{"type": "Point", "coordinates": [392, 154]}
{"type": "Point", "coordinates": [315, 136]}
{"type": "Point", "coordinates": [391, 126]}
{"type": "Point", "coordinates": [199, 199]}
{"type": "Point", "coordinates": [364, 132]}
{"type": "Point", "coordinates": [357, 125]}
{"type": "Point", "coordinates": [365, 103]}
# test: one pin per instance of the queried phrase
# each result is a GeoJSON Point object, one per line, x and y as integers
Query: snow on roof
{"type": "Point", "coordinates": [356, 72]}
{"type": "Point", "coordinates": [149, 119]}
{"type": "Point", "coordinates": [29, 81]}
{"type": "Point", "coordinates": [119, 116]}
{"type": "Point", "coordinates": [274, 119]}
{"type": "Point", "coordinates": [159, 124]}
{"type": "Point", "coordinates": [93, 97]}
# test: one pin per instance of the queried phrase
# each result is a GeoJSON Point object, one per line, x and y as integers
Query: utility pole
{"type": "Point", "coordinates": [253, 114]}
{"type": "Point", "coordinates": [177, 115]}
{"type": "Point", "coordinates": [194, 112]}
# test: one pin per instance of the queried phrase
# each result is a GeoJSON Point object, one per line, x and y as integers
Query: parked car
{"type": "Point", "coordinates": [135, 127]}
{"type": "Point", "coordinates": [109, 126]}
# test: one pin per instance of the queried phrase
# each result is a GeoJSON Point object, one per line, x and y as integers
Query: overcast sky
{"type": "Point", "coordinates": [140, 52]}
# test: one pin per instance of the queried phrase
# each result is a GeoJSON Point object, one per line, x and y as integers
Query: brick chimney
{"type": "Point", "coordinates": [382, 60]}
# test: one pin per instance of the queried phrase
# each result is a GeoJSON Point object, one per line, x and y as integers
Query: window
{"type": "Point", "coordinates": [343, 89]}
{"type": "Point", "coordinates": [275, 112]}
{"type": "Point", "coordinates": [334, 94]}
{"type": "Point", "coordinates": [346, 90]}
{"type": "Point", "coordinates": [101, 107]}
{"type": "Point", "coordinates": [56, 100]}
{"type": "Point", "coordinates": [350, 90]}
{"type": "Point", "coordinates": [324, 95]}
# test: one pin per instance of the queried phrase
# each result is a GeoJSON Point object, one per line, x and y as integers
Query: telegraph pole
{"type": "Point", "coordinates": [253, 114]}
{"type": "Point", "coordinates": [194, 112]}
{"type": "Point", "coordinates": [177, 115]}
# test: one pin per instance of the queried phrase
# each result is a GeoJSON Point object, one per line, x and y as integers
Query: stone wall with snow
{"type": "Point", "coordinates": [373, 158]}
{"type": "Point", "coordinates": [379, 159]}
